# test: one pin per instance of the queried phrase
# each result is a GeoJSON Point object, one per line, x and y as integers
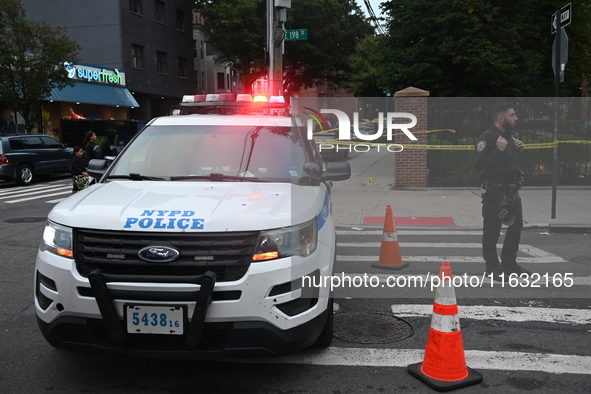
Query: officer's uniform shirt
{"type": "Point", "coordinates": [503, 167]}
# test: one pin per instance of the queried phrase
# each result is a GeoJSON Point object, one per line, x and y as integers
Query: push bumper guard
{"type": "Point", "coordinates": [98, 282]}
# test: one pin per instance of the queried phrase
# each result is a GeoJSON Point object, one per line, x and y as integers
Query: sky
{"type": "Point", "coordinates": [375, 4]}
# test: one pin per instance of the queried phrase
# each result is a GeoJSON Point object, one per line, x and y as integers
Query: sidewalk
{"type": "Point", "coordinates": [355, 202]}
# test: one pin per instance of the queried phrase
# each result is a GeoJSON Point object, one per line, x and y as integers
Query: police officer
{"type": "Point", "coordinates": [497, 157]}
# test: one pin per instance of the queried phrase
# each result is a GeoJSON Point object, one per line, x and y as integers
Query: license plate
{"type": "Point", "coordinates": [151, 319]}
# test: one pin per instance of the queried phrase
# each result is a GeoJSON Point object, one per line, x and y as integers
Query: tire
{"type": "Point", "coordinates": [24, 174]}
{"type": "Point", "coordinates": [325, 338]}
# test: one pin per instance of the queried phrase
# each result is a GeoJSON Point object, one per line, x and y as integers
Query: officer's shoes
{"type": "Point", "coordinates": [495, 274]}
{"type": "Point", "coordinates": [514, 268]}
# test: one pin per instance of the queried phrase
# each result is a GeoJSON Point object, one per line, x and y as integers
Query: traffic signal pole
{"type": "Point", "coordinates": [556, 114]}
{"type": "Point", "coordinates": [276, 16]}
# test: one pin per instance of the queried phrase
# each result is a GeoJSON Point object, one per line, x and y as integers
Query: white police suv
{"type": "Point", "coordinates": [195, 239]}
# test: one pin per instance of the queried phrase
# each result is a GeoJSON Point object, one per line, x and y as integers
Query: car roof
{"type": "Point", "coordinates": [223, 120]}
{"type": "Point", "coordinates": [25, 135]}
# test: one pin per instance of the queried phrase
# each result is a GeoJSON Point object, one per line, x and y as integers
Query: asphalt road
{"type": "Point", "coordinates": [521, 338]}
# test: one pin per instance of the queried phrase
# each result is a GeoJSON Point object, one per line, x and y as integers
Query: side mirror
{"type": "Point", "coordinates": [96, 168]}
{"type": "Point", "coordinates": [313, 169]}
{"type": "Point", "coordinates": [336, 171]}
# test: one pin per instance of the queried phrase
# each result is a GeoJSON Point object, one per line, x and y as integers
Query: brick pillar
{"type": "Point", "coordinates": [411, 164]}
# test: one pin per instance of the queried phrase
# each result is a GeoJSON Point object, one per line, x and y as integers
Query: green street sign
{"type": "Point", "coordinates": [299, 34]}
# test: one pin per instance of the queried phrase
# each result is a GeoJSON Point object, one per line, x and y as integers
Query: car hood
{"type": "Point", "coordinates": [190, 206]}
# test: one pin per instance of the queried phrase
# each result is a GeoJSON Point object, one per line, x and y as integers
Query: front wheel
{"type": "Point", "coordinates": [24, 174]}
{"type": "Point", "coordinates": [325, 338]}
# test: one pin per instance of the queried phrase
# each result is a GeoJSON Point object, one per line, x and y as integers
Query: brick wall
{"type": "Point", "coordinates": [411, 164]}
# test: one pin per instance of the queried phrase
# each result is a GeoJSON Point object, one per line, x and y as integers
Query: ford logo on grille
{"type": "Point", "coordinates": [158, 254]}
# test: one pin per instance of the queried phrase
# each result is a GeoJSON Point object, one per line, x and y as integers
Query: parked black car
{"type": "Point", "coordinates": [24, 156]}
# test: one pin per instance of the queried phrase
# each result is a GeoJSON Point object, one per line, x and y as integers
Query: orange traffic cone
{"type": "Point", "coordinates": [74, 115]}
{"type": "Point", "coordinates": [444, 364]}
{"type": "Point", "coordinates": [390, 250]}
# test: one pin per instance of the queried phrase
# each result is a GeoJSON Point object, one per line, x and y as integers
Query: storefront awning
{"type": "Point", "coordinates": [90, 93]}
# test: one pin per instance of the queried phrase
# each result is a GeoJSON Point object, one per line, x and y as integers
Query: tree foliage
{"type": "Point", "coordinates": [31, 60]}
{"type": "Point", "coordinates": [474, 48]}
{"type": "Point", "coordinates": [237, 29]}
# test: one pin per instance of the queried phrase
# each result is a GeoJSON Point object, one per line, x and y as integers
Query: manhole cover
{"type": "Point", "coordinates": [582, 260]}
{"type": "Point", "coordinates": [370, 327]}
{"type": "Point", "coordinates": [26, 220]}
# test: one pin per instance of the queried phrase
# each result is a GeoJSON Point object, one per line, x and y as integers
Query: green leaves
{"type": "Point", "coordinates": [477, 48]}
{"type": "Point", "coordinates": [238, 30]}
{"type": "Point", "coordinates": [31, 60]}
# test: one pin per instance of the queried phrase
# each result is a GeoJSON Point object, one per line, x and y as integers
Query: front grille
{"type": "Point", "coordinates": [229, 254]}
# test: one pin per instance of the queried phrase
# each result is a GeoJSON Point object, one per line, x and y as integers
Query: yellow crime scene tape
{"type": "Point", "coordinates": [442, 147]}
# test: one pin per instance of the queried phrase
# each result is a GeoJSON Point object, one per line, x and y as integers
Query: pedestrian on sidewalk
{"type": "Point", "coordinates": [91, 149]}
{"type": "Point", "coordinates": [79, 174]}
{"type": "Point", "coordinates": [108, 147]}
{"type": "Point", "coordinates": [497, 158]}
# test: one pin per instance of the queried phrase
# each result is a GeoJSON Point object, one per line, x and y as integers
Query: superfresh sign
{"type": "Point", "coordinates": [95, 74]}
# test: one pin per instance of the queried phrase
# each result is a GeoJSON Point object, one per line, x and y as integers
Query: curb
{"type": "Point", "coordinates": [560, 228]}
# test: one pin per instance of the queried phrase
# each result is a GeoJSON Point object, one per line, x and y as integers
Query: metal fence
{"type": "Point", "coordinates": [467, 118]}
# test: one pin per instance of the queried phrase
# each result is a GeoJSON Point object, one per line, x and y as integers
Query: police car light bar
{"type": "Point", "coordinates": [260, 99]}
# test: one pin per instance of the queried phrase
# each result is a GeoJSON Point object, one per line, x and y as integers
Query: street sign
{"type": "Point", "coordinates": [566, 15]}
{"type": "Point", "coordinates": [299, 34]}
{"type": "Point", "coordinates": [563, 53]}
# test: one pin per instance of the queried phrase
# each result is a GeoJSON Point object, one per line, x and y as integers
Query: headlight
{"type": "Point", "coordinates": [300, 240]}
{"type": "Point", "coordinates": [58, 239]}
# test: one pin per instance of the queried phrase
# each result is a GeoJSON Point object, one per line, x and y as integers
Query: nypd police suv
{"type": "Point", "coordinates": [195, 239]}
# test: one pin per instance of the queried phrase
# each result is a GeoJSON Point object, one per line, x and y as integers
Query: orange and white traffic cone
{"type": "Point", "coordinates": [390, 250]}
{"type": "Point", "coordinates": [444, 364]}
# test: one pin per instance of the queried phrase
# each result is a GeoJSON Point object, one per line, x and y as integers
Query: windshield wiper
{"type": "Point", "coordinates": [135, 177]}
{"type": "Point", "coordinates": [216, 177]}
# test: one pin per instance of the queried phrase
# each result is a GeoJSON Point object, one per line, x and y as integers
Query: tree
{"type": "Point", "coordinates": [237, 29]}
{"type": "Point", "coordinates": [475, 48]}
{"type": "Point", "coordinates": [31, 61]}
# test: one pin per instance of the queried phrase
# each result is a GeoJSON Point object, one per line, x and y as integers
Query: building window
{"type": "Point", "coordinates": [137, 56]}
{"type": "Point", "coordinates": [159, 6]}
{"type": "Point", "coordinates": [180, 20]}
{"type": "Point", "coordinates": [135, 6]}
{"type": "Point", "coordinates": [203, 81]}
{"type": "Point", "coordinates": [202, 49]}
{"type": "Point", "coordinates": [161, 61]}
{"type": "Point", "coordinates": [182, 67]}
{"type": "Point", "coordinates": [195, 49]}
{"type": "Point", "coordinates": [221, 80]}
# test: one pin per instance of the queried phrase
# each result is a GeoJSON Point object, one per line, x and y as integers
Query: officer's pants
{"type": "Point", "coordinates": [492, 230]}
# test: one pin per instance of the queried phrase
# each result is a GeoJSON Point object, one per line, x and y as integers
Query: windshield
{"type": "Point", "coordinates": [218, 153]}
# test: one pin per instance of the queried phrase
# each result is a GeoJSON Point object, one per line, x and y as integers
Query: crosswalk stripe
{"type": "Point", "coordinates": [43, 196]}
{"type": "Point", "coordinates": [28, 190]}
{"type": "Point", "coordinates": [56, 200]}
{"type": "Point", "coordinates": [455, 259]}
{"type": "Point", "coordinates": [412, 232]}
{"type": "Point", "coordinates": [504, 313]}
{"type": "Point", "coordinates": [424, 280]}
{"type": "Point", "coordinates": [477, 359]}
{"type": "Point", "coordinates": [528, 249]}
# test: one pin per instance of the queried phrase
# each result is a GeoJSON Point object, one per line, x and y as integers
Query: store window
{"type": "Point", "coordinates": [137, 56]}
{"type": "Point", "coordinates": [182, 67]}
{"type": "Point", "coordinates": [135, 6]}
{"type": "Point", "coordinates": [161, 62]}
{"type": "Point", "coordinates": [180, 20]}
{"type": "Point", "coordinates": [159, 6]}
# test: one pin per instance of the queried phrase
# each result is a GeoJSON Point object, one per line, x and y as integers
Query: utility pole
{"type": "Point", "coordinates": [276, 17]}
